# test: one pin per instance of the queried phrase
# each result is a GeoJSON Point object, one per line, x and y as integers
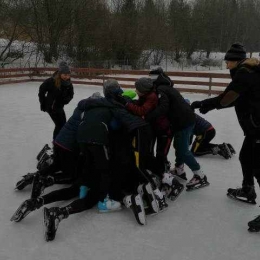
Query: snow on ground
{"type": "Point", "coordinates": [199, 225]}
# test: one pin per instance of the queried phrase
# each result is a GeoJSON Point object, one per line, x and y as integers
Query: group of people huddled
{"type": "Point", "coordinates": [113, 150]}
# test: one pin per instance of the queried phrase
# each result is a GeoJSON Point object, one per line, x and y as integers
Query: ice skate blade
{"type": "Point", "coordinates": [197, 187]}
{"type": "Point", "coordinates": [253, 202]}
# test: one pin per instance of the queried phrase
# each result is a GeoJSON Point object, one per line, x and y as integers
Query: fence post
{"type": "Point", "coordinates": [210, 85]}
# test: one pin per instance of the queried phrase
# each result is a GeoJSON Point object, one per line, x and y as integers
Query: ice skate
{"type": "Point", "coordinates": [224, 151]}
{"type": "Point", "coordinates": [43, 150]}
{"type": "Point", "coordinates": [25, 208]}
{"type": "Point", "coordinates": [25, 181]}
{"type": "Point", "coordinates": [254, 225]}
{"type": "Point", "coordinates": [173, 187]}
{"type": "Point", "coordinates": [245, 194]}
{"type": "Point", "coordinates": [148, 196]}
{"type": "Point", "coordinates": [135, 202]}
{"type": "Point", "coordinates": [179, 173]}
{"type": "Point", "coordinates": [231, 148]}
{"type": "Point", "coordinates": [108, 205]}
{"type": "Point", "coordinates": [39, 184]}
{"type": "Point", "coordinates": [45, 161]}
{"type": "Point", "coordinates": [51, 220]}
{"type": "Point", "coordinates": [197, 182]}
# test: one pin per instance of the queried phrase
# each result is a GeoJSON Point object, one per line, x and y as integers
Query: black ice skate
{"type": "Point", "coordinates": [197, 182]}
{"type": "Point", "coordinates": [147, 194]}
{"type": "Point", "coordinates": [179, 173]}
{"type": "Point", "coordinates": [231, 148]}
{"type": "Point", "coordinates": [25, 181]}
{"type": "Point", "coordinates": [224, 151]}
{"type": "Point", "coordinates": [43, 150]}
{"type": "Point", "coordinates": [171, 186]}
{"type": "Point", "coordinates": [46, 160]}
{"type": "Point", "coordinates": [25, 208]}
{"type": "Point", "coordinates": [173, 191]}
{"type": "Point", "coordinates": [241, 194]}
{"type": "Point", "coordinates": [39, 184]}
{"type": "Point", "coordinates": [135, 202]}
{"type": "Point", "coordinates": [161, 203]}
{"type": "Point", "coordinates": [51, 220]}
{"type": "Point", "coordinates": [254, 225]}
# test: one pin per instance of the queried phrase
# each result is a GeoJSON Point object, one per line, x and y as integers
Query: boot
{"type": "Point", "coordinates": [27, 207]}
{"type": "Point", "coordinates": [245, 194]}
{"type": "Point", "coordinates": [52, 218]}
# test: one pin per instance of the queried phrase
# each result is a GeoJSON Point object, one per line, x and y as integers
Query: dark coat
{"type": "Point", "coordinates": [126, 119]}
{"type": "Point", "coordinates": [52, 98]}
{"type": "Point", "coordinates": [172, 104]}
{"type": "Point", "coordinates": [245, 82]}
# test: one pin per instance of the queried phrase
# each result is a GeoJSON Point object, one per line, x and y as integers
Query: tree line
{"type": "Point", "coordinates": [127, 30]}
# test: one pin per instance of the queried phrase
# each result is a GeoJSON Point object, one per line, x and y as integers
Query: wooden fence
{"type": "Point", "coordinates": [206, 82]}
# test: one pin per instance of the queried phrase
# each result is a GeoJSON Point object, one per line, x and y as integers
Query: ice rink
{"type": "Point", "coordinates": [199, 225]}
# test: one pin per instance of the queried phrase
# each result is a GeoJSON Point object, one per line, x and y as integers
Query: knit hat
{"type": "Point", "coordinates": [237, 52]}
{"type": "Point", "coordinates": [64, 68]}
{"type": "Point", "coordinates": [157, 71]}
{"type": "Point", "coordinates": [144, 85]}
{"type": "Point", "coordinates": [111, 88]}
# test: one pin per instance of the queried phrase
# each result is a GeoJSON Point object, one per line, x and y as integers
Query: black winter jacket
{"type": "Point", "coordinates": [52, 98]}
{"type": "Point", "coordinates": [171, 104]}
{"type": "Point", "coordinates": [245, 82]}
{"type": "Point", "coordinates": [126, 119]}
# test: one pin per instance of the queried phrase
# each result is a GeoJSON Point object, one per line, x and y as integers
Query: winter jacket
{"type": "Point", "coordinates": [52, 98]}
{"type": "Point", "coordinates": [201, 125]}
{"type": "Point", "coordinates": [171, 104]}
{"type": "Point", "coordinates": [67, 137]}
{"type": "Point", "coordinates": [129, 121]}
{"type": "Point", "coordinates": [144, 104]}
{"type": "Point", "coordinates": [245, 82]}
{"type": "Point", "coordinates": [93, 128]}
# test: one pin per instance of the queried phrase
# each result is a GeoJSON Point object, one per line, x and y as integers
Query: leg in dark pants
{"type": "Point", "coordinates": [202, 145]}
{"type": "Point", "coordinates": [59, 119]}
{"type": "Point", "coordinates": [249, 158]}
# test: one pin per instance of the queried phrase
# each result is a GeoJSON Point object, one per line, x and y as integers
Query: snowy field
{"type": "Point", "coordinates": [199, 225]}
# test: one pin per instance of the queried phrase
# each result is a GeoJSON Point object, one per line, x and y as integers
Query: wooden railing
{"type": "Point", "coordinates": [184, 81]}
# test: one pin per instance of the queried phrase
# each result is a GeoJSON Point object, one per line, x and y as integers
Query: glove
{"type": "Point", "coordinates": [83, 190]}
{"type": "Point", "coordinates": [205, 110]}
{"type": "Point", "coordinates": [196, 104]}
{"type": "Point", "coordinates": [43, 108]}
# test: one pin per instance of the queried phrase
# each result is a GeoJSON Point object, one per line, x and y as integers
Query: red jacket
{"type": "Point", "coordinates": [144, 104]}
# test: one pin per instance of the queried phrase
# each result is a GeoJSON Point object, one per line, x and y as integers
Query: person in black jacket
{"type": "Point", "coordinates": [54, 93]}
{"type": "Point", "coordinates": [182, 119]}
{"type": "Point", "coordinates": [243, 93]}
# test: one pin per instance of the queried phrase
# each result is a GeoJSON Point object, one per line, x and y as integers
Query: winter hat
{"type": "Point", "coordinates": [64, 68]}
{"type": "Point", "coordinates": [237, 52]}
{"type": "Point", "coordinates": [111, 88]}
{"type": "Point", "coordinates": [129, 93]}
{"type": "Point", "coordinates": [96, 95]}
{"type": "Point", "coordinates": [144, 85]}
{"type": "Point", "coordinates": [187, 100]}
{"type": "Point", "coordinates": [155, 73]}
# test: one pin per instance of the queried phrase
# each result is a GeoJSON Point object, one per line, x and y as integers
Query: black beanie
{"type": "Point", "coordinates": [236, 52]}
{"type": "Point", "coordinates": [64, 68]}
{"type": "Point", "coordinates": [144, 85]}
{"type": "Point", "coordinates": [157, 71]}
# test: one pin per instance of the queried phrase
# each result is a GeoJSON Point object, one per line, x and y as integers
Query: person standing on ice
{"type": "Point", "coordinates": [54, 93]}
{"type": "Point", "coordinates": [182, 120]}
{"type": "Point", "coordinates": [243, 93]}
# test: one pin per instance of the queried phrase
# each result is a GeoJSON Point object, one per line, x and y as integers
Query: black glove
{"type": "Point", "coordinates": [43, 108]}
{"type": "Point", "coordinates": [205, 109]}
{"type": "Point", "coordinates": [196, 104]}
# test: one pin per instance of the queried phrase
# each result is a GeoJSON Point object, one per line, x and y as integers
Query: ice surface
{"type": "Point", "coordinates": [199, 225]}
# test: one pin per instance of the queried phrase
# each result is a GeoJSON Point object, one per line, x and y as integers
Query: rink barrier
{"type": "Point", "coordinates": [207, 81]}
